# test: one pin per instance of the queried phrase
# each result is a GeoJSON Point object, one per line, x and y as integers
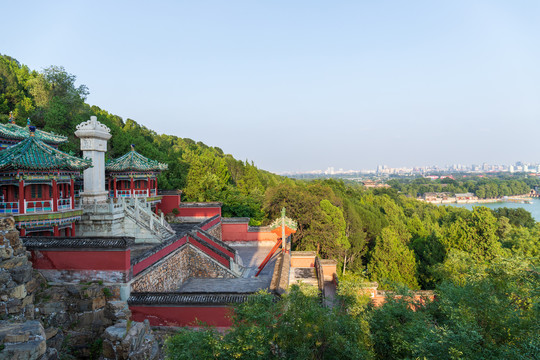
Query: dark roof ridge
{"type": "Point", "coordinates": [14, 131]}
{"type": "Point", "coordinates": [134, 161]}
{"type": "Point", "coordinates": [35, 154]}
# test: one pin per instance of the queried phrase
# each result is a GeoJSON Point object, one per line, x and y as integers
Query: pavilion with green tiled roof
{"type": "Point", "coordinates": [12, 133]}
{"type": "Point", "coordinates": [37, 186]}
{"type": "Point", "coordinates": [133, 175]}
{"type": "Point", "coordinates": [34, 154]}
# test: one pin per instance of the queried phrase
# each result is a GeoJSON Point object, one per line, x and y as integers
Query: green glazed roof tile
{"type": "Point", "coordinates": [134, 161]}
{"type": "Point", "coordinates": [34, 154]}
{"type": "Point", "coordinates": [16, 132]}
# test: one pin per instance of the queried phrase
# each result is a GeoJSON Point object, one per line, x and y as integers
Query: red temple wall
{"type": "Point", "coordinates": [182, 315]}
{"type": "Point", "coordinates": [202, 212]}
{"type": "Point", "coordinates": [168, 203]}
{"type": "Point", "coordinates": [81, 260]}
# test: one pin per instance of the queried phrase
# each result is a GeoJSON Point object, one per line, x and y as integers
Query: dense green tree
{"type": "Point", "coordinates": [523, 242]}
{"type": "Point", "coordinates": [517, 217]}
{"type": "Point", "coordinates": [207, 177]}
{"type": "Point", "coordinates": [476, 234]}
{"type": "Point", "coordinates": [391, 261]}
{"type": "Point", "coordinates": [294, 327]}
{"type": "Point", "coordinates": [429, 252]}
{"type": "Point", "coordinates": [337, 242]}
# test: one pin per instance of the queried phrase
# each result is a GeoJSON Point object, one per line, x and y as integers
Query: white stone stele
{"type": "Point", "coordinates": [94, 136]}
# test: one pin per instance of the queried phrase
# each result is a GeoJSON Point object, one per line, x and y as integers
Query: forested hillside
{"type": "Point", "coordinates": [482, 263]}
{"type": "Point", "coordinates": [378, 235]}
{"type": "Point", "coordinates": [54, 103]}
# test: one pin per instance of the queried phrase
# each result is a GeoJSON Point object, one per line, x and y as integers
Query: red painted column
{"type": "Point", "coordinates": [23, 232]}
{"type": "Point", "coordinates": [72, 229]}
{"type": "Point", "coordinates": [132, 187]}
{"type": "Point", "coordinates": [72, 195]}
{"type": "Point", "coordinates": [155, 184]}
{"type": "Point", "coordinates": [21, 196]}
{"type": "Point", "coordinates": [55, 197]}
{"type": "Point", "coordinates": [56, 231]}
{"type": "Point", "coordinates": [114, 195]}
{"type": "Point", "coordinates": [148, 184]}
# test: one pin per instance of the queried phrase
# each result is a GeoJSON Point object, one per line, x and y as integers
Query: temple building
{"type": "Point", "coordinates": [11, 134]}
{"type": "Point", "coordinates": [134, 176]}
{"type": "Point", "coordinates": [37, 184]}
{"type": "Point", "coordinates": [172, 274]}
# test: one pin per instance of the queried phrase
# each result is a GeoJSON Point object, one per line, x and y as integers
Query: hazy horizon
{"type": "Point", "coordinates": [305, 85]}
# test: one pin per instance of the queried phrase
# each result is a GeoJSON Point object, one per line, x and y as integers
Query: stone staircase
{"type": "Point", "coordinates": [142, 215]}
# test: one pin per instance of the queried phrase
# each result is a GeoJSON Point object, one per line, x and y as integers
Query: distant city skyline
{"type": "Point", "coordinates": [518, 166]}
{"type": "Point", "coordinates": [299, 85]}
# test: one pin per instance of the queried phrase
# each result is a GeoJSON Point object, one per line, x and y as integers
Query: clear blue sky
{"type": "Point", "coordinates": [301, 85]}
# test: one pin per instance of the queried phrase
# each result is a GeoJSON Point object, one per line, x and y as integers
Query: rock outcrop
{"type": "Point", "coordinates": [18, 282]}
{"type": "Point", "coordinates": [22, 341]}
{"type": "Point", "coordinates": [40, 321]}
{"type": "Point", "coordinates": [130, 340]}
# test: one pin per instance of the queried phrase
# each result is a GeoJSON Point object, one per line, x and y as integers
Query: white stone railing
{"type": "Point", "coordinates": [105, 208]}
{"type": "Point", "coordinates": [144, 216]}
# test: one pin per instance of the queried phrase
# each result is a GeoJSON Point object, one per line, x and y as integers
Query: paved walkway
{"type": "Point", "coordinates": [240, 285]}
{"type": "Point", "coordinates": [330, 291]}
{"type": "Point", "coordinates": [252, 256]}
{"type": "Point", "coordinates": [305, 275]}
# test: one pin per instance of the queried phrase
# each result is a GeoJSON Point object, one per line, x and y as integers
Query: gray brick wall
{"type": "Point", "coordinates": [170, 273]}
{"type": "Point", "coordinates": [215, 231]}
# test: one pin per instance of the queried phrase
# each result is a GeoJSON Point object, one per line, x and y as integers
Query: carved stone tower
{"type": "Point", "coordinates": [94, 136]}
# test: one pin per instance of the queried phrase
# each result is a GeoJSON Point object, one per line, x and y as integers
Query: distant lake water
{"type": "Point", "coordinates": [533, 208]}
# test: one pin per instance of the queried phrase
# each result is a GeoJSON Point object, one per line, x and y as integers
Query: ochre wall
{"type": "Point", "coordinates": [302, 261]}
{"type": "Point", "coordinates": [239, 232]}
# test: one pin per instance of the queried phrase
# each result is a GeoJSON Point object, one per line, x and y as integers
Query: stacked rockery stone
{"type": "Point", "coordinates": [43, 322]}
{"type": "Point", "coordinates": [17, 283]}
{"type": "Point", "coordinates": [75, 316]}
{"type": "Point", "coordinates": [20, 336]}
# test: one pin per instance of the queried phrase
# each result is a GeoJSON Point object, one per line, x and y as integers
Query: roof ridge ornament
{"type": "Point", "coordinates": [93, 124]}
{"type": "Point", "coordinates": [16, 132]}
